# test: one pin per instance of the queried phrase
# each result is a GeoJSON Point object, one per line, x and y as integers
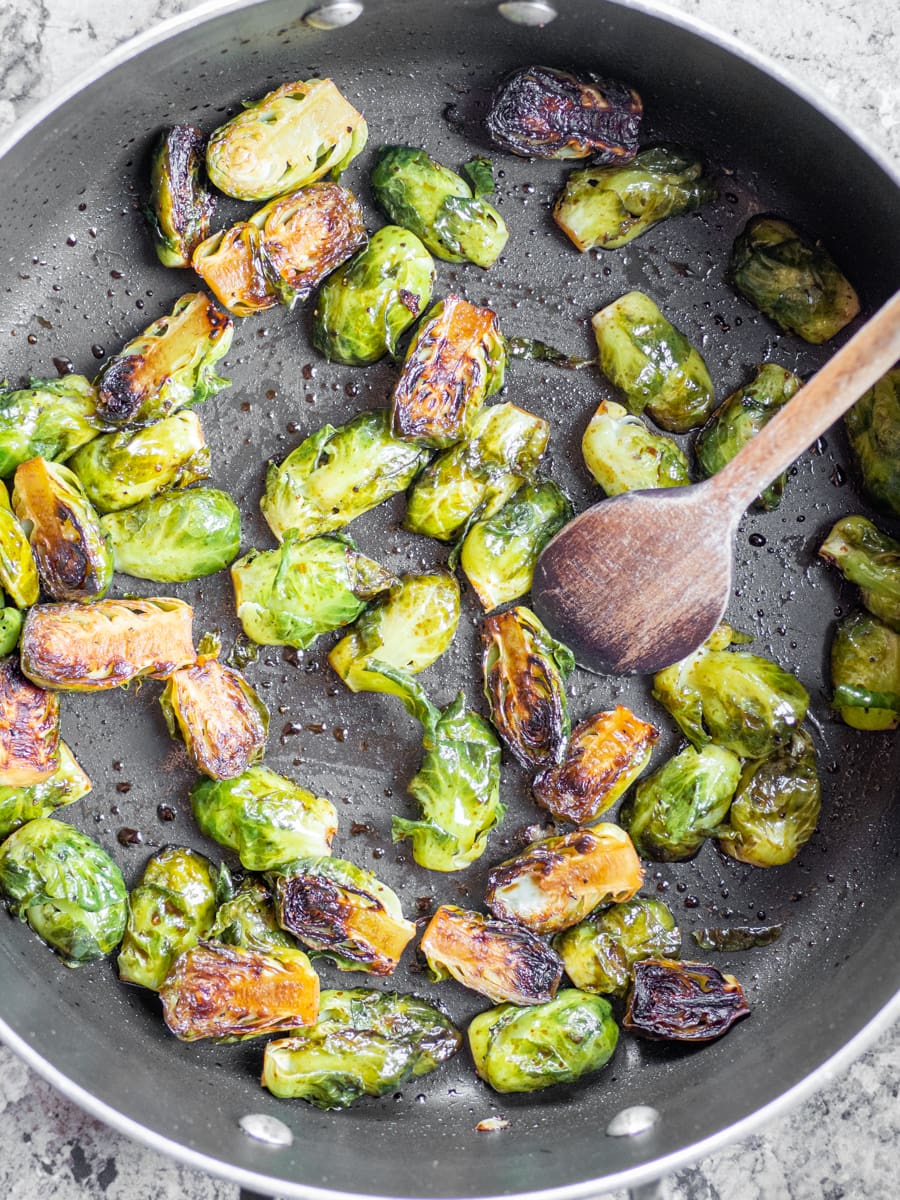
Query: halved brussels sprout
{"type": "Point", "coordinates": [344, 912]}
{"type": "Point", "coordinates": [499, 959]}
{"type": "Point", "coordinates": [555, 882]}
{"type": "Point", "coordinates": [611, 206]}
{"type": "Point", "coordinates": [107, 643]}
{"type": "Point", "coordinates": [180, 207]}
{"type": "Point", "coordinates": [865, 673]}
{"type": "Point", "coordinates": [18, 570]}
{"type": "Point", "coordinates": [873, 430]}
{"type": "Point", "coordinates": [871, 560]}
{"type": "Point", "coordinates": [525, 1049]}
{"type": "Point", "coordinates": [11, 622]}
{"type": "Point", "coordinates": [525, 670]}
{"type": "Point", "coordinates": [676, 808]}
{"type": "Point", "coordinates": [599, 953]}
{"type": "Point", "coordinates": [456, 360]}
{"type": "Point", "coordinates": [365, 305]}
{"type": "Point", "coordinates": [682, 1001]}
{"type": "Point", "coordinates": [29, 729]}
{"type": "Point", "coordinates": [499, 553]}
{"type": "Point", "coordinates": [233, 265]}
{"type": "Point", "coordinates": [452, 218]}
{"type": "Point", "coordinates": [66, 887]}
{"type": "Point", "coordinates": [623, 455]}
{"type": "Point", "coordinates": [335, 475]}
{"type": "Point", "coordinates": [291, 137]}
{"type": "Point", "coordinates": [604, 756]}
{"type": "Point", "coordinates": [541, 112]}
{"type": "Point", "coordinates": [267, 819]}
{"type": "Point", "coordinates": [248, 920]}
{"type": "Point", "coordinates": [791, 279]}
{"type": "Point", "coordinates": [287, 597]}
{"type": "Point", "coordinates": [23, 803]}
{"type": "Point", "coordinates": [48, 419]}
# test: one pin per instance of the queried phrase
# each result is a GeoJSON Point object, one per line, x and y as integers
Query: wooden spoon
{"type": "Point", "coordinates": [639, 581]}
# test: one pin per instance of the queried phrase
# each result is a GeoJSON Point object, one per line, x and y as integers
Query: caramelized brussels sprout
{"type": "Point", "coordinates": [653, 363]}
{"type": "Point", "coordinates": [525, 1049]}
{"type": "Point", "coordinates": [365, 305]}
{"type": "Point", "coordinates": [870, 559]}
{"type": "Point", "coordinates": [170, 365]}
{"type": "Point", "coordinates": [291, 137]}
{"type": "Point", "coordinates": [66, 887]}
{"type": "Point", "coordinates": [287, 597]}
{"type": "Point", "coordinates": [682, 1001]}
{"type": "Point", "coordinates": [247, 919]}
{"type": "Point", "coordinates": [741, 701]}
{"type": "Point", "coordinates": [499, 959]}
{"type": "Point", "coordinates": [605, 755]}
{"type": "Point", "coordinates": [599, 952]}
{"type": "Point", "coordinates": [22, 803]}
{"type": "Point", "coordinates": [342, 911]}
{"type": "Point", "coordinates": [176, 536]}
{"type": "Point", "coordinates": [540, 112]}
{"type": "Point", "coordinates": [48, 419]}
{"type": "Point", "coordinates": [107, 643]}
{"type": "Point", "coordinates": [791, 279]}
{"type": "Point", "coordinates": [233, 265]}
{"type": "Point", "coordinates": [676, 808]}
{"type": "Point", "coordinates": [335, 475]}
{"type": "Point", "coordinates": [452, 218]}
{"type": "Point", "coordinates": [181, 207]}
{"type": "Point", "coordinates": [611, 206]}
{"type": "Point", "coordinates": [267, 819]}
{"type": "Point", "coordinates": [456, 360]}
{"type": "Point", "coordinates": [554, 883]}
{"type": "Point", "coordinates": [865, 673]}
{"type": "Point", "coordinates": [873, 430]}
{"type": "Point", "coordinates": [499, 553]}
{"type": "Point", "coordinates": [29, 729]}
{"type": "Point", "coordinates": [741, 417]}
{"type": "Point", "coordinates": [18, 570]}
{"type": "Point", "coordinates": [623, 455]}
{"type": "Point", "coordinates": [365, 1043]}
{"type": "Point", "coordinates": [11, 622]}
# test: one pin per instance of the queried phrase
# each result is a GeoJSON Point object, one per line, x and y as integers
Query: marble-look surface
{"type": "Point", "coordinates": [840, 1145]}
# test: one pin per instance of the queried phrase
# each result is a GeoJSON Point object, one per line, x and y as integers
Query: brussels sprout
{"type": "Point", "coordinates": [247, 919]}
{"type": "Point", "coordinates": [605, 755]}
{"type": "Point", "coordinates": [499, 959]}
{"type": "Point", "coordinates": [673, 810]}
{"type": "Point", "coordinates": [290, 137]}
{"type": "Point", "coordinates": [170, 909]}
{"type": "Point", "coordinates": [106, 644]}
{"type": "Point", "coordinates": [176, 536]}
{"type": "Point", "coordinates": [48, 419]}
{"type": "Point", "coordinates": [365, 305]}
{"type": "Point", "coordinates": [67, 784]}
{"type": "Point", "coordinates": [233, 265]}
{"type": "Point", "coordinates": [409, 629]}
{"type": "Point", "coordinates": [343, 912]}
{"type": "Point", "coordinates": [598, 953]}
{"type": "Point", "coordinates": [29, 729]}
{"type": "Point", "coordinates": [499, 553]}
{"type": "Point", "coordinates": [66, 887]}
{"type": "Point", "coordinates": [554, 883]}
{"type": "Point", "coordinates": [287, 597]}
{"type": "Point", "coordinates": [540, 112]}
{"type": "Point", "coordinates": [479, 474]}
{"type": "Point", "coordinates": [682, 1001]}
{"type": "Point", "coordinates": [873, 430]}
{"type": "Point", "coordinates": [611, 206]}
{"type": "Point", "coordinates": [365, 1043]}
{"type": "Point", "coordinates": [456, 360]}
{"type": "Point", "coordinates": [623, 455]}
{"type": "Point", "coordinates": [230, 994]}
{"type": "Point", "coordinates": [267, 819]}
{"type": "Point", "coordinates": [653, 363]}
{"type": "Point", "coordinates": [871, 560]}
{"type": "Point", "coordinates": [453, 219]}
{"type": "Point", "coordinates": [181, 207]}
{"type": "Point", "coordinates": [525, 670]}
{"type": "Point", "coordinates": [169, 365]}
{"type": "Point", "coordinates": [335, 475]}
{"type": "Point", "coordinates": [792, 280]}
{"type": "Point", "coordinates": [741, 417]}
{"type": "Point", "coordinates": [741, 701]}
{"type": "Point", "coordinates": [11, 622]}
{"type": "Point", "coordinates": [525, 1049]}
{"type": "Point", "coordinates": [865, 673]}
{"type": "Point", "coordinates": [18, 570]}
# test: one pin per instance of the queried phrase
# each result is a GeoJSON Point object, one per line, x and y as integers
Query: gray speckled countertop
{"type": "Point", "coordinates": [842, 1143]}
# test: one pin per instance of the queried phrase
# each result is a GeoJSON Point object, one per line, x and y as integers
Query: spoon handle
{"type": "Point", "coordinates": [871, 352]}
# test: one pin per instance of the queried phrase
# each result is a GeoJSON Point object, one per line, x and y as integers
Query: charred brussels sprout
{"type": "Point", "coordinates": [29, 729]}
{"type": "Point", "coordinates": [525, 1049]}
{"type": "Point", "coordinates": [870, 559]}
{"type": "Point", "coordinates": [180, 207]}
{"type": "Point", "coordinates": [365, 1043]}
{"type": "Point", "coordinates": [18, 570]}
{"type": "Point", "coordinates": [287, 597]}
{"type": "Point", "coordinates": [676, 808]}
{"type": "Point", "coordinates": [48, 419]}
{"type": "Point", "coordinates": [66, 887]}
{"type": "Point", "coordinates": [335, 475]}
{"type": "Point", "coordinates": [540, 112]}
{"type": "Point", "coordinates": [865, 673]}
{"type": "Point", "coordinates": [247, 919]}
{"type": "Point", "coordinates": [365, 305]}
{"type": "Point", "coordinates": [611, 206]}
{"type": "Point", "coordinates": [598, 953]}
{"type": "Point", "coordinates": [266, 818]}
{"type": "Point", "coordinates": [23, 803]}
{"type": "Point", "coordinates": [233, 265]}
{"type": "Point", "coordinates": [653, 363]}
{"type": "Point", "coordinates": [682, 1001]}
{"type": "Point", "coordinates": [873, 430]}
{"type": "Point", "coordinates": [175, 537]}
{"type": "Point", "coordinates": [623, 455]}
{"type": "Point", "coordinates": [453, 219]}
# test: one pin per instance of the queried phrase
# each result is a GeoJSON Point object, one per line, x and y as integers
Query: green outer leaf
{"type": "Point", "coordinates": [176, 536]}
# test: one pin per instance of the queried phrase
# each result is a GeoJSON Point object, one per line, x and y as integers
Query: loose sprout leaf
{"type": "Point", "coordinates": [729, 939]}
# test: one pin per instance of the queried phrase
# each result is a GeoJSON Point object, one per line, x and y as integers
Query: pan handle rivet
{"type": "Point", "coordinates": [631, 1121]}
{"type": "Point", "coordinates": [263, 1128]}
{"type": "Point", "coordinates": [334, 16]}
{"type": "Point", "coordinates": [527, 12]}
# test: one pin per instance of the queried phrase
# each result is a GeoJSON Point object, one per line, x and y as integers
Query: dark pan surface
{"type": "Point", "coordinates": [420, 74]}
